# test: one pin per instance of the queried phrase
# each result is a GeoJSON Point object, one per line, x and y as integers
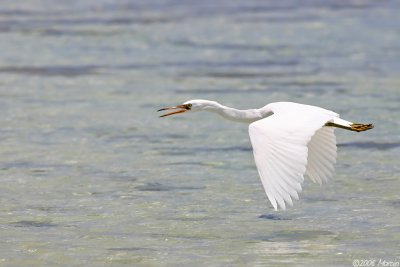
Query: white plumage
{"type": "Point", "coordinates": [289, 141]}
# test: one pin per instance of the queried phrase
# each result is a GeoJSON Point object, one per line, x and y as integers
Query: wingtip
{"type": "Point", "coordinates": [274, 205]}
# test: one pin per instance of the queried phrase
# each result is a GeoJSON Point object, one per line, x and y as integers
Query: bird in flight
{"type": "Point", "coordinates": [289, 140]}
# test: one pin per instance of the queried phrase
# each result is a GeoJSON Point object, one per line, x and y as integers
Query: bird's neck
{"type": "Point", "coordinates": [238, 115]}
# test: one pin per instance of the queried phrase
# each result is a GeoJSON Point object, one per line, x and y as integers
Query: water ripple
{"type": "Point", "coordinates": [297, 235]}
{"type": "Point", "coordinates": [70, 71]}
{"type": "Point", "coordinates": [251, 73]}
{"type": "Point", "coordinates": [28, 223]}
{"type": "Point", "coordinates": [161, 187]}
{"type": "Point", "coordinates": [371, 145]}
{"type": "Point", "coordinates": [132, 249]}
{"type": "Point", "coordinates": [230, 46]}
{"type": "Point", "coordinates": [273, 217]}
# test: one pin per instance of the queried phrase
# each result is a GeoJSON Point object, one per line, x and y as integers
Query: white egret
{"type": "Point", "coordinates": [289, 141]}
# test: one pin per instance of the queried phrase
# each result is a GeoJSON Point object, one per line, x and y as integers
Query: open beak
{"type": "Point", "coordinates": [177, 109]}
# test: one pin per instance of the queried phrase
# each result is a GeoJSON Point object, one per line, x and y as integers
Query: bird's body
{"type": "Point", "coordinates": [289, 140]}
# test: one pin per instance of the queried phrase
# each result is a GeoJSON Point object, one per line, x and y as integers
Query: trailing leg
{"type": "Point", "coordinates": [356, 127]}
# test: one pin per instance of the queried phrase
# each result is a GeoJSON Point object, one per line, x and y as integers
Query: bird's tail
{"type": "Point", "coordinates": [356, 127]}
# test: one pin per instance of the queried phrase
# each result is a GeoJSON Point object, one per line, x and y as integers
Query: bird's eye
{"type": "Point", "coordinates": [188, 106]}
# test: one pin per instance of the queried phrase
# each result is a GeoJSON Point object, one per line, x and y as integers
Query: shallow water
{"type": "Point", "coordinates": [92, 177]}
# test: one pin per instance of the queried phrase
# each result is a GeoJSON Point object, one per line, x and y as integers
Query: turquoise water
{"type": "Point", "coordinates": [92, 177]}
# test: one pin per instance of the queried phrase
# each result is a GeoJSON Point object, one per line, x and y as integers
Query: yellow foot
{"type": "Point", "coordinates": [358, 127]}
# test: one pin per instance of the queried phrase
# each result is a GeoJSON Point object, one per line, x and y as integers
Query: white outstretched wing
{"type": "Point", "coordinates": [283, 144]}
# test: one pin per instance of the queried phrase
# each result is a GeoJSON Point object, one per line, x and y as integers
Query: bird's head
{"type": "Point", "coordinates": [191, 105]}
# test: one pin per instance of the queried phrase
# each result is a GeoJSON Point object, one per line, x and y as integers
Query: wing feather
{"type": "Point", "coordinates": [288, 145]}
{"type": "Point", "coordinates": [322, 155]}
